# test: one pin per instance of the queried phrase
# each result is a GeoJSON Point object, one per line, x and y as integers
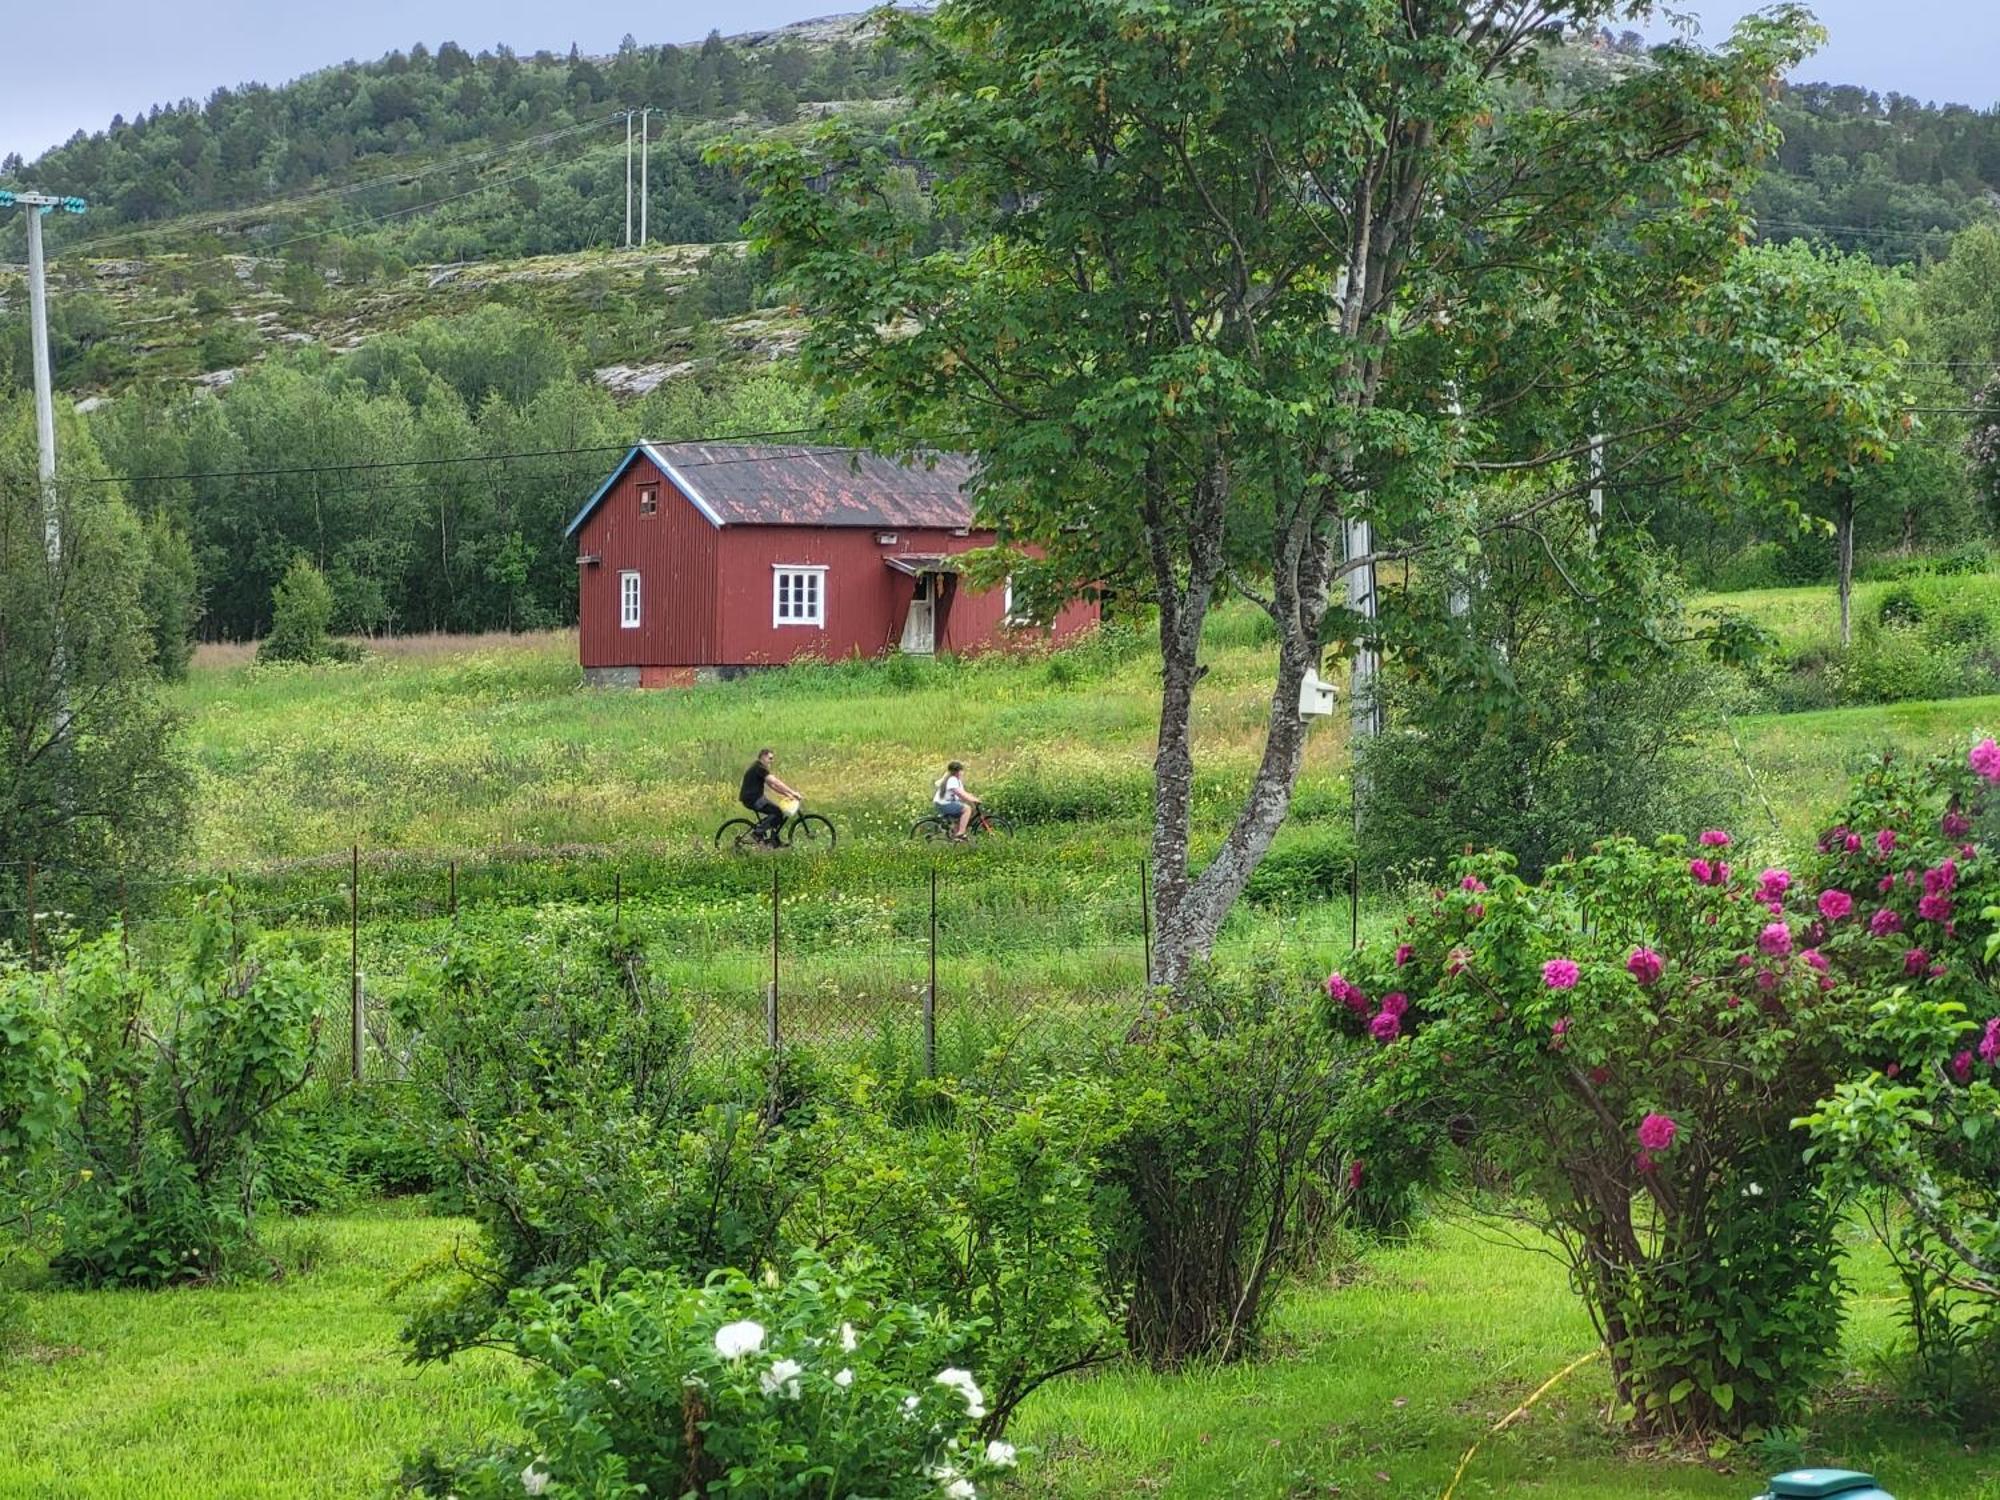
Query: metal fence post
{"type": "Point", "coordinates": [771, 1034]}
{"type": "Point", "coordinates": [358, 1036]}
{"type": "Point", "coordinates": [451, 899]}
{"type": "Point", "coordinates": [1354, 902]}
{"type": "Point", "coordinates": [930, 991]}
{"type": "Point", "coordinates": [33, 940]}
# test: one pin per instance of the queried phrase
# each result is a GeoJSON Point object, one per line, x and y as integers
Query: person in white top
{"type": "Point", "coordinates": [952, 800]}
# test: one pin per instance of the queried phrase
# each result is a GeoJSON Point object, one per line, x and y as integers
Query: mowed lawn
{"type": "Point", "coordinates": [1377, 1378]}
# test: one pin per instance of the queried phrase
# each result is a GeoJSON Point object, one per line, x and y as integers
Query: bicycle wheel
{"type": "Point", "coordinates": [996, 826]}
{"type": "Point", "coordinates": [732, 834]}
{"type": "Point", "coordinates": [810, 831]}
{"type": "Point", "coordinates": [932, 827]}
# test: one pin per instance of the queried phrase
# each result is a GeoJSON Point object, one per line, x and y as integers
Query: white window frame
{"type": "Point", "coordinates": [794, 574]}
{"type": "Point", "coordinates": [631, 599]}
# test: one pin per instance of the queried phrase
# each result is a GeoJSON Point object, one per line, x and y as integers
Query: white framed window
{"type": "Point", "coordinates": [798, 594]}
{"type": "Point", "coordinates": [628, 601]}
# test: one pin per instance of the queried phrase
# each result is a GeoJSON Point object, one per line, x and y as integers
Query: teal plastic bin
{"type": "Point", "coordinates": [1822, 1484]}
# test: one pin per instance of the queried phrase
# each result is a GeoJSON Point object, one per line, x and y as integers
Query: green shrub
{"type": "Point", "coordinates": [301, 611]}
{"type": "Point", "coordinates": [1625, 1047]}
{"type": "Point", "coordinates": [1227, 1167]}
{"type": "Point", "coordinates": [561, 1110]}
{"type": "Point", "coordinates": [987, 1214]}
{"type": "Point", "coordinates": [1304, 868]}
{"type": "Point", "coordinates": [1918, 1133]}
{"type": "Point", "coordinates": [188, 1063]}
{"type": "Point", "coordinates": [40, 1086]}
{"type": "Point", "coordinates": [821, 1384]}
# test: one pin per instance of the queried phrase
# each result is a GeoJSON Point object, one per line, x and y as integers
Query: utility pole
{"type": "Point", "coordinates": [645, 140]}
{"type": "Point", "coordinates": [37, 205]}
{"type": "Point", "coordinates": [628, 179]}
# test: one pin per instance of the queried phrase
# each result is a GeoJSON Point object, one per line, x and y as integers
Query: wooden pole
{"type": "Point", "coordinates": [33, 936]}
{"type": "Point", "coordinates": [451, 900]}
{"type": "Point", "coordinates": [358, 1036]}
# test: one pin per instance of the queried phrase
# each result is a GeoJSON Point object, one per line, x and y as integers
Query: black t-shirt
{"type": "Point", "coordinates": [753, 783]}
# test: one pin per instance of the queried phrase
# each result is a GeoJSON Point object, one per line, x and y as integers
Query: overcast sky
{"type": "Point", "coordinates": [107, 57]}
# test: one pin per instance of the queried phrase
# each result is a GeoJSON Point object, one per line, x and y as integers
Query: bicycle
{"type": "Point", "coordinates": [938, 826]}
{"type": "Point", "coordinates": [799, 830]}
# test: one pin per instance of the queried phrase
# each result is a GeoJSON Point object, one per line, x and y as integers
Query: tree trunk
{"type": "Point", "coordinates": [1845, 528]}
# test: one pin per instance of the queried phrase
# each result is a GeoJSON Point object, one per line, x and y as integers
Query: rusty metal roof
{"type": "Point", "coordinates": [748, 484]}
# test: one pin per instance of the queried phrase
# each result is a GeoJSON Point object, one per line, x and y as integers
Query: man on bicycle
{"type": "Point", "coordinates": [758, 783]}
{"type": "Point", "coordinates": [952, 800]}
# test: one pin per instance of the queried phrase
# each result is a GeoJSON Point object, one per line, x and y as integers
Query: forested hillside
{"type": "Point", "coordinates": [382, 315]}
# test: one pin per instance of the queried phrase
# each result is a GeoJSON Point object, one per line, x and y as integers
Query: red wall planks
{"type": "Point", "coordinates": [674, 552]}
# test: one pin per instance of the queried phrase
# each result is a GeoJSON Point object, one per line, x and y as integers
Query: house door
{"type": "Point", "coordinates": [920, 625]}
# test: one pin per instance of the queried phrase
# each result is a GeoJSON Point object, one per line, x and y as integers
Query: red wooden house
{"type": "Point", "coordinates": [699, 559]}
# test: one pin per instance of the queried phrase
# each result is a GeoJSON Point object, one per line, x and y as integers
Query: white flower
{"type": "Point", "coordinates": [782, 1377]}
{"type": "Point", "coordinates": [1000, 1455]}
{"type": "Point", "coordinates": [615, 1383]}
{"type": "Point", "coordinates": [844, 1379]}
{"type": "Point", "coordinates": [734, 1340]}
{"type": "Point", "coordinates": [961, 1489]}
{"type": "Point", "coordinates": [910, 1405]}
{"type": "Point", "coordinates": [962, 1382]}
{"type": "Point", "coordinates": [535, 1478]}
{"type": "Point", "coordinates": [847, 1338]}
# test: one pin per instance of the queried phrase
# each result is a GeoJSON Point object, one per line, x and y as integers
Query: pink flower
{"type": "Point", "coordinates": [1935, 908]}
{"type": "Point", "coordinates": [1885, 922]}
{"type": "Point", "coordinates": [1559, 974]}
{"type": "Point", "coordinates": [1985, 759]}
{"type": "Point", "coordinates": [1644, 1161]}
{"type": "Point", "coordinates": [1722, 872]}
{"type": "Point", "coordinates": [1941, 880]}
{"type": "Point", "coordinates": [1766, 981]}
{"type": "Point", "coordinates": [1989, 1045]}
{"type": "Point", "coordinates": [1472, 883]}
{"type": "Point", "coordinates": [1772, 885]}
{"type": "Point", "coordinates": [1714, 838]}
{"type": "Point", "coordinates": [1702, 871]}
{"type": "Point", "coordinates": [1914, 961]}
{"type": "Point", "coordinates": [1937, 971]}
{"type": "Point", "coordinates": [1477, 911]}
{"type": "Point", "coordinates": [1403, 952]}
{"type": "Point", "coordinates": [1558, 1031]}
{"type": "Point", "coordinates": [1776, 940]}
{"type": "Point", "coordinates": [1395, 1003]}
{"type": "Point", "coordinates": [1815, 959]}
{"type": "Point", "coordinates": [1894, 1070]}
{"type": "Point", "coordinates": [1961, 1065]}
{"type": "Point", "coordinates": [1599, 1076]}
{"type": "Point", "coordinates": [1457, 962]}
{"type": "Point", "coordinates": [1342, 989]}
{"type": "Point", "coordinates": [1657, 1132]}
{"type": "Point", "coordinates": [1885, 842]}
{"type": "Point", "coordinates": [1354, 1175]}
{"type": "Point", "coordinates": [1955, 824]}
{"type": "Point", "coordinates": [1852, 843]}
{"type": "Point", "coordinates": [1645, 965]}
{"type": "Point", "coordinates": [1385, 1027]}
{"type": "Point", "coordinates": [1833, 905]}
{"type": "Point", "coordinates": [1886, 884]}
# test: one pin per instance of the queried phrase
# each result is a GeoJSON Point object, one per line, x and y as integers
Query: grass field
{"type": "Point", "coordinates": [1376, 1381]}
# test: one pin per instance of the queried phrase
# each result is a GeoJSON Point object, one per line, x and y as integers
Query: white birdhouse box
{"type": "Point", "coordinates": [1315, 697]}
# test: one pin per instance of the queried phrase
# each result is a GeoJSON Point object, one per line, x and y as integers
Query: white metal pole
{"type": "Point", "coordinates": [645, 141]}
{"type": "Point", "coordinates": [45, 401]}
{"type": "Point", "coordinates": [628, 179]}
{"type": "Point", "coordinates": [1596, 486]}
{"type": "Point", "coordinates": [1362, 704]}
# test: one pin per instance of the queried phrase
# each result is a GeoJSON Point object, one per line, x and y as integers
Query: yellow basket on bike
{"type": "Point", "coordinates": [786, 805]}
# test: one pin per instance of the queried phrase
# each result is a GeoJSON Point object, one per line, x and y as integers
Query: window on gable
{"type": "Point", "coordinates": [628, 601]}
{"type": "Point", "coordinates": [798, 596]}
{"type": "Point", "coordinates": [649, 501]}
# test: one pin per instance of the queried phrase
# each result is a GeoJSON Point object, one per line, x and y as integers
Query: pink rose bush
{"type": "Point", "coordinates": [1919, 1119]}
{"type": "Point", "coordinates": [1570, 1032]}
